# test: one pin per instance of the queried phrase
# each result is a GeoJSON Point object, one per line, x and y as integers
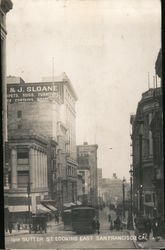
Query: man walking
{"type": "Point", "coordinates": [148, 227]}
{"type": "Point", "coordinates": [98, 226]}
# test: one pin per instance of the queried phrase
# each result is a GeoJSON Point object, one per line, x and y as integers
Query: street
{"type": "Point", "coordinates": [58, 238]}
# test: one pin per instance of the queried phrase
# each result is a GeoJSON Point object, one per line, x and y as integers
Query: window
{"type": "Point", "coordinates": [19, 114]}
{"type": "Point", "coordinates": [148, 198]}
{"type": "Point", "coordinates": [23, 177]}
{"type": "Point", "coordinates": [19, 126]}
{"type": "Point", "coordinates": [22, 156]}
{"type": "Point", "coordinates": [9, 178]}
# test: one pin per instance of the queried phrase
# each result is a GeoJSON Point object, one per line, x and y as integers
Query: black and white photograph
{"type": "Point", "coordinates": [82, 120]}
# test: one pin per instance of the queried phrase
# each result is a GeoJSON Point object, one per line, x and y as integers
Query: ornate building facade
{"type": "Point", "coordinates": [5, 7]}
{"type": "Point", "coordinates": [145, 195]}
{"type": "Point", "coordinates": [46, 110]}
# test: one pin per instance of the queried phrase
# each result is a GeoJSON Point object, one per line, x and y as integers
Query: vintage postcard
{"type": "Point", "coordinates": [82, 124]}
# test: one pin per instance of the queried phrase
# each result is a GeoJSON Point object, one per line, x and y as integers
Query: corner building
{"type": "Point", "coordinates": [47, 110]}
{"type": "Point", "coordinates": [27, 164]}
{"type": "Point", "coordinates": [5, 7]}
{"type": "Point", "coordinates": [150, 173]}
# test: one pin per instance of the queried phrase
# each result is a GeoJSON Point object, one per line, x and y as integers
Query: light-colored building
{"type": "Point", "coordinates": [85, 197]}
{"type": "Point", "coordinates": [27, 168]}
{"type": "Point", "coordinates": [47, 109]}
{"type": "Point", "coordinates": [5, 7]}
{"type": "Point", "coordinates": [87, 160]}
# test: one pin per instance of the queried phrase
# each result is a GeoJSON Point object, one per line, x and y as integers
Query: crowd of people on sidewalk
{"type": "Point", "coordinates": [116, 224]}
{"type": "Point", "coordinates": [144, 226]}
{"type": "Point", "coordinates": [96, 225]}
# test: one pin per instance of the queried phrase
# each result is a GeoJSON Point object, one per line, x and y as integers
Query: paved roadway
{"type": "Point", "coordinates": [60, 239]}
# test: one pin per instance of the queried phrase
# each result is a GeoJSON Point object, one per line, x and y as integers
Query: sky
{"type": "Point", "coordinates": [106, 48]}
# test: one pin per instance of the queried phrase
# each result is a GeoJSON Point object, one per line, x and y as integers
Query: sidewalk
{"type": "Point", "coordinates": [16, 232]}
{"type": "Point", "coordinates": [51, 225]}
{"type": "Point", "coordinates": [149, 244]}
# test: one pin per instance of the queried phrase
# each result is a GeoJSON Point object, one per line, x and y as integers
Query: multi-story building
{"type": "Point", "coordinates": [87, 163]}
{"type": "Point", "coordinates": [157, 134]}
{"type": "Point", "coordinates": [143, 147]}
{"type": "Point", "coordinates": [27, 168]}
{"type": "Point", "coordinates": [85, 175]}
{"type": "Point", "coordinates": [47, 110]}
{"type": "Point", "coordinates": [66, 137]}
{"type": "Point", "coordinates": [5, 7]}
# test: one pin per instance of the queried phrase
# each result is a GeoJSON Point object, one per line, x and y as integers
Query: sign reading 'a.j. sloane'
{"type": "Point", "coordinates": [33, 92]}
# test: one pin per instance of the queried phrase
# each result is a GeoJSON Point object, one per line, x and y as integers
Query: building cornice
{"type": "Point", "coordinates": [6, 5]}
{"type": "Point", "coordinates": [26, 138]}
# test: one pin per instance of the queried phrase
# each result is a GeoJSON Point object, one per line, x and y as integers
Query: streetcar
{"type": "Point", "coordinates": [67, 219]}
{"type": "Point", "coordinates": [83, 219]}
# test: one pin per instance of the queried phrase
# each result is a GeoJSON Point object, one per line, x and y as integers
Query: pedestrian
{"type": "Point", "coordinates": [57, 218]}
{"type": "Point", "coordinates": [18, 226]}
{"type": "Point", "coordinates": [155, 228]}
{"type": "Point", "coordinates": [98, 226]}
{"type": "Point", "coordinates": [148, 227]}
{"type": "Point", "coordinates": [44, 226]}
{"type": "Point", "coordinates": [10, 227]}
{"type": "Point", "coordinates": [111, 224]}
{"type": "Point", "coordinates": [118, 223]}
{"type": "Point", "coordinates": [94, 225]}
{"type": "Point", "coordinates": [109, 217]}
{"type": "Point", "coordinates": [115, 224]}
{"type": "Point", "coordinates": [140, 229]}
{"type": "Point", "coordinates": [135, 221]}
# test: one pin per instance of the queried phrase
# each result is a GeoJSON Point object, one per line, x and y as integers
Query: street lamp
{"type": "Point", "coordinates": [131, 206]}
{"type": "Point", "coordinates": [28, 192]}
{"type": "Point", "coordinates": [124, 197]}
{"type": "Point", "coordinates": [140, 122]}
{"type": "Point", "coordinates": [155, 192]}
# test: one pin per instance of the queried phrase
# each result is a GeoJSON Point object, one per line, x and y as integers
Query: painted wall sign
{"type": "Point", "coordinates": [34, 92]}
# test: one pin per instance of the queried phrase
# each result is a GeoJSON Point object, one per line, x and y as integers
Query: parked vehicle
{"type": "Point", "coordinates": [39, 223]}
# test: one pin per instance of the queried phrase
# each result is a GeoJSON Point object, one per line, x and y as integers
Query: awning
{"type": "Point", "coordinates": [67, 211]}
{"type": "Point", "coordinates": [70, 204]}
{"type": "Point", "coordinates": [14, 209]}
{"type": "Point", "coordinates": [41, 209]}
{"type": "Point", "coordinates": [51, 207]}
{"type": "Point", "coordinates": [79, 203]}
{"type": "Point", "coordinates": [149, 204]}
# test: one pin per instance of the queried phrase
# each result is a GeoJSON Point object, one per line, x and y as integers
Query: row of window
{"type": "Point", "coordinates": [22, 179]}
{"type": "Point", "coordinates": [71, 171]}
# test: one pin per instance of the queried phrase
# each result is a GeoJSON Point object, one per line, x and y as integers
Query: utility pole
{"type": "Point", "coordinates": [140, 122]}
{"type": "Point", "coordinates": [29, 201]}
{"type": "Point", "coordinates": [123, 197]}
{"type": "Point", "coordinates": [131, 204]}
